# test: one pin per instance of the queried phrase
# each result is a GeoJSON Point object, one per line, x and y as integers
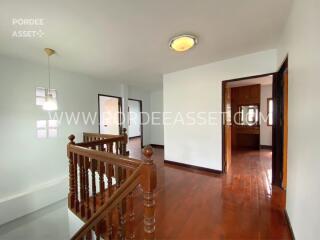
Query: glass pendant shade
{"type": "Point", "coordinates": [50, 103]}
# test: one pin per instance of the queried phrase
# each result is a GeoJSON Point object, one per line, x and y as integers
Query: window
{"type": "Point", "coordinates": [270, 112]}
{"type": "Point", "coordinates": [52, 128]}
{"type": "Point", "coordinates": [47, 129]}
{"type": "Point", "coordinates": [41, 129]}
{"type": "Point", "coordinates": [41, 95]}
{"type": "Point", "coordinates": [249, 115]}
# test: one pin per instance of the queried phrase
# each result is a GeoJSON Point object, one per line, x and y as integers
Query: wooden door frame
{"type": "Point", "coordinates": [278, 134]}
{"type": "Point", "coordinates": [224, 82]}
{"type": "Point", "coordinates": [227, 142]}
{"type": "Point", "coordinates": [278, 147]}
{"type": "Point", "coordinates": [141, 125]}
{"type": "Point", "coordinates": [120, 109]}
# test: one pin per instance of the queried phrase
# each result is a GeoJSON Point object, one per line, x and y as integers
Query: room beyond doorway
{"type": "Point", "coordinates": [135, 126]}
{"type": "Point", "coordinates": [110, 111]}
{"type": "Point", "coordinates": [248, 107]}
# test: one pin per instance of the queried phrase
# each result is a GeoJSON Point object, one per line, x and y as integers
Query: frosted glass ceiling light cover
{"type": "Point", "coordinates": [183, 43]}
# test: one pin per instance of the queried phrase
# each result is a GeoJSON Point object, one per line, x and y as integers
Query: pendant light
{"type": "Point", "coordinates": [50, 103]}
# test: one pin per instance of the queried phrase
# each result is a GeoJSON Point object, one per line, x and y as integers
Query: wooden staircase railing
{"type": "Point", "coordinates": [97, 140]}
{"type": "Point", "coordinates": [104, 187]}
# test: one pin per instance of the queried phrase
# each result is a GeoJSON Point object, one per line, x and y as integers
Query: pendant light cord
{"type": "Point", "coordinates": [49, 70]}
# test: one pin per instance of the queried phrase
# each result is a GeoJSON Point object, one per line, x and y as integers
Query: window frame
{"type": "Point", "coordinates": [256, 108]}
{"type": "Point", "coordinates": [48, 126]}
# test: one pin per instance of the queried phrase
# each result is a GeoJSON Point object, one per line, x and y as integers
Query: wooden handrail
{"type": "Point", "coordinates": [99, 135]}
{"type": "Point", "coordinates": [95, 140]}
{"type": "Point", "coordinates": [97, 160]}
{"type": "Point", "coordinates": [104, 156]}
{"type": "Point", "coordinates": [102, 141]}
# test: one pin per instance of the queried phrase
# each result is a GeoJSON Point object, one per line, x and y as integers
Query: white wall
{"type": "Point", "coordinates": [265, 130]}
{"type": "Point", "coordinates": [135, 118]}
{"type": "Point", "coordinates": [34, 172]}
{"type": "Point", "coordinates": [139, 94]}
{"type": "Point", "coordinates": [199, 89]}
{"type": "Point", "coordinates": [301, 41]}
{"type": "Point", "coordinates": [156, 102]}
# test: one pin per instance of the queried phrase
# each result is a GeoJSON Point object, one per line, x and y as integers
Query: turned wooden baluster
{"type": "Point", "coordinates": [117, 148]}
{"type": "Point", "coordinates": [124, 142]}
{"type": "Point", "coordinates": [101, 147]}
{"type": "Point", "coordinates": [76, 183]}
{"type": "Point", "coordinates": [89, 235]}
{"type": "Point", "coordinates": [109, 173]}
{"type": "Point", "coordinates": [93, 167]}
{"type": "Point", "coordinates": [118, 183]}
{"type": "Point", "coordinates": [72, 184]}
{"type": "Point", "coordinates": [110, 147]}
{"type": "Point", "coordinates": [109, 225]}
{"type": "Point", "coordinates": [109, 177]}
{"type": "Point", "coordinates": [75, 177]}
{"type": "Point", "coordinates": [131, 234]}
{"type": "Point", "coordinates": [82, 186]}
{"type": "Point", "coordinates": [108, 234]}
{"type": "Point", "coordinates": [149, 182]}
{"type": "Point", "coordinates": [87, 195]}
{"type": "Point", "coordinates": [98, 231]}
{"type": "Point", "coordinates": [101, 170]}
{"type": "Point", "coordinates": [120, 178]}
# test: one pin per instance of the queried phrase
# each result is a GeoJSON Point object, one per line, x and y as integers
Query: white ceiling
{"type": "Point", "coordinates": [127, 40]}
{"type": "Point", "coordinates": [267, 80]}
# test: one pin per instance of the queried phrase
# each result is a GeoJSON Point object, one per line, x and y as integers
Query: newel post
{"type": "Point", "coordinates": [72, 190]}
{"type": "Point", "coordinates": [124, 142]}
{"type": "Point", "coordinates": [149, 183]}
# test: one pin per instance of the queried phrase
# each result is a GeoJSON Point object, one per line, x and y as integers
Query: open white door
{"type": "Point", "coordinates": [110, 111]}
{"type": "Point", "coordinates": [134, 118]}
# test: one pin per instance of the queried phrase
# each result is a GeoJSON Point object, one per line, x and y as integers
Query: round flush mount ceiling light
{"type": "Point", "coordinates": [183, 42]}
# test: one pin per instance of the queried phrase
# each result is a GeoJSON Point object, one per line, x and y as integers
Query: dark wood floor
{"type": "Point", "coordinates": [242, 204]}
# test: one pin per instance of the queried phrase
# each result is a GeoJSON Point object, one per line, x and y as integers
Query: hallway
{"type": "Point", "coordinates": [192, 204]}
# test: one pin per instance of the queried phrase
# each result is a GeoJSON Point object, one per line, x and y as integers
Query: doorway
{"type": "Point", "coordinates": [255, 115]}
{"type": "Point", "coordinates": [135, 126]}
{"type": "Point", "coordinates": [110, 110]}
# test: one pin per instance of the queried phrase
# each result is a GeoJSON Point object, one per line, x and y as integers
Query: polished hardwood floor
{"type": "Point", "coordinates": [193, 204]}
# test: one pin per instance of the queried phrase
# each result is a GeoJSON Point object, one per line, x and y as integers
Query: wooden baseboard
{"type": "Point", "coordinates": [265, 147]}
{"type": "Point", "coordinates": [193, 167]}
{"type": "Point", "coordinates": [134, 137]}
{"type": "Point", "coordinates": [157, 146]}
{"type": "Point", "coordinates": [289, 224]}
